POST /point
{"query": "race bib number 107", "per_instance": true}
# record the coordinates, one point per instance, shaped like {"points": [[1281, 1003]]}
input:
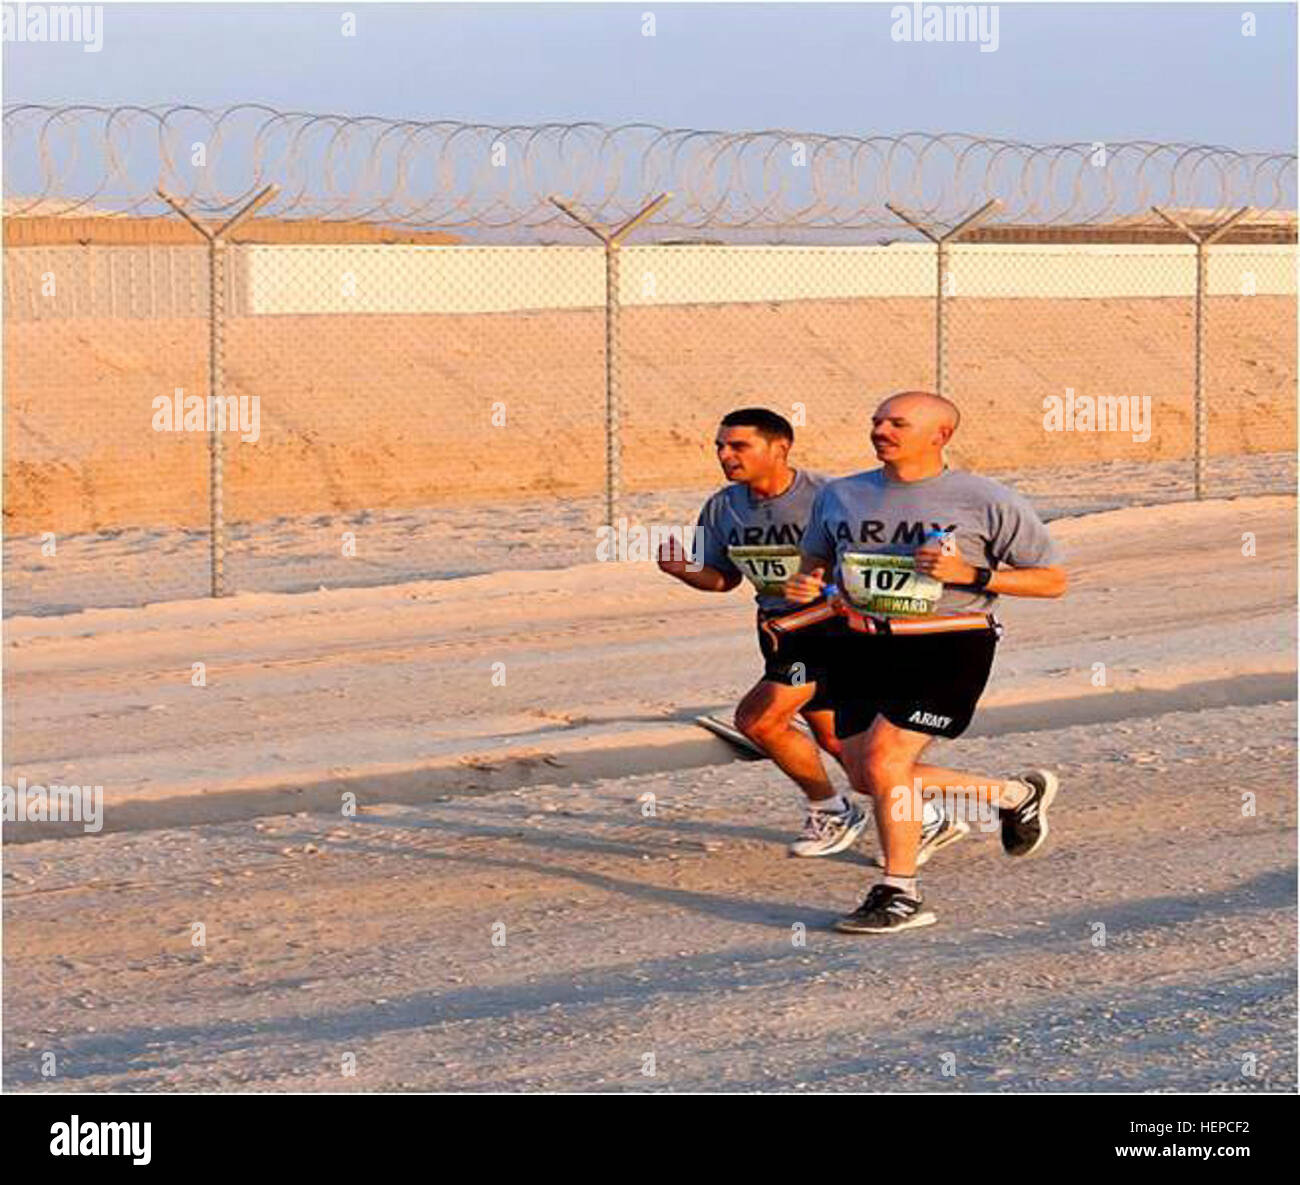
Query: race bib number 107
{"points": [[888, 585], [767, 568]]}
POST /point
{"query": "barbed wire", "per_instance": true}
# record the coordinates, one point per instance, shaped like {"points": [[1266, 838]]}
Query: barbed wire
{"points": [[443, 174]]}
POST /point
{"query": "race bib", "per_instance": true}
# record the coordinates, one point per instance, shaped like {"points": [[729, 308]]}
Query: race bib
{"points": [[766, 568], [888, 585]]}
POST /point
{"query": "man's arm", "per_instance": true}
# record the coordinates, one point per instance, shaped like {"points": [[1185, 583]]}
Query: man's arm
{"points": [[1008, 582], [1028, 582], [672, 559], [810, 581], [1029, 561]]}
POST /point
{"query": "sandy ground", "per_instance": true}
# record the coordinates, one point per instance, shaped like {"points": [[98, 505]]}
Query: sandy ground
{"points": [[384, 411], [677, 935], [124, 567]]}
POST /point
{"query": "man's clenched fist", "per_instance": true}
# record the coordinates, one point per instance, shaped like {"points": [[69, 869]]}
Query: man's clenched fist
{"points": [[806, 586]]}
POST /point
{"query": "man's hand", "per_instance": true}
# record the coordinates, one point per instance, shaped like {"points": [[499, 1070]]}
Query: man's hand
{"points": [[672, 560], [805, 587], [672, 557], [949, 567]]}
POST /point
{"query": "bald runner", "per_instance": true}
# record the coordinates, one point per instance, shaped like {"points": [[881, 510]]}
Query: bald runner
{"points": [[919, 554]]}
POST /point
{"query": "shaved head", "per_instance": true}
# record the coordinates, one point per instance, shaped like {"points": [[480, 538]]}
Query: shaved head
{"points": [[923, 407], [910, 430]]}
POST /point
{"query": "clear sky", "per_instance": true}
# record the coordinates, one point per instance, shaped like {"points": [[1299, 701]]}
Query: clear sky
{"points": [[1073, 72]]}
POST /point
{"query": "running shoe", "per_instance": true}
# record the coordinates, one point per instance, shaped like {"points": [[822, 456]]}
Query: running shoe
{"points": [[886, 910], [1024, 828], [827, 832], [936, 834], [945, 832]]}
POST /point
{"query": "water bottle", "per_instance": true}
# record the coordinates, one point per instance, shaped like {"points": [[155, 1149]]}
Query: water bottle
{"points": [[933, 536]]}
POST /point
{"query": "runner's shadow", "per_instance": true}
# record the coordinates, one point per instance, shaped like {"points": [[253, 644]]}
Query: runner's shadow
{"points": [[781, 915], [666, 828], [139, 1050]]}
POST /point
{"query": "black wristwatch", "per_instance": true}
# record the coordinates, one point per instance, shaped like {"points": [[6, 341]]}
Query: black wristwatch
{"points": [[982, 578]]}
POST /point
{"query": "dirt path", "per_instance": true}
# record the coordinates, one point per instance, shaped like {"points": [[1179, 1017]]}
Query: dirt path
{"points": [[686, 935], [676, 936], [374, 688]]}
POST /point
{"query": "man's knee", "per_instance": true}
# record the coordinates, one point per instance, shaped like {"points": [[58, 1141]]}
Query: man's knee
{"points": [[884, 766], [759, 721], [825, 736]]}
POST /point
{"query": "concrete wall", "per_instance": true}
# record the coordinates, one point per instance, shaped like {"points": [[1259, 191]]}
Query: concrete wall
{"points": [[310, 279], [114, 282], [119, 282]]}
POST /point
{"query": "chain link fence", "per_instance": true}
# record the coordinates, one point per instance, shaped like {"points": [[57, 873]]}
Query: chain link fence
{"points": [[425, 412], [99, 507], [400, 413], [1074, 367]]}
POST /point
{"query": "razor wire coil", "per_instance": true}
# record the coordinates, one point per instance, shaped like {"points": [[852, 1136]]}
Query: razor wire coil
{"points": [[441, 174]]}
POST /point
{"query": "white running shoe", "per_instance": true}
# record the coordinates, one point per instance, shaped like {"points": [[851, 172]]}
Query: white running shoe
{"points": [[827, 832], [938, 830], [947, 831]]}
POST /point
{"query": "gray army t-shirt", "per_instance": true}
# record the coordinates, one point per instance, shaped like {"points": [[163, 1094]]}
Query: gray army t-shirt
{"points": [[735, 518], [991, 525]]}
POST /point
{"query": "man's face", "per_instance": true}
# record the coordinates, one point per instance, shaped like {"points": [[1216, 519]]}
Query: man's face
{"points": [[901, 431], [745, 455]]}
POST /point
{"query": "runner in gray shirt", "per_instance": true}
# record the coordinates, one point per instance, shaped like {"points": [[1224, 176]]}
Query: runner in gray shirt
{"points": [[740, 533], [986, 523], [919, 554], [752, 529]]}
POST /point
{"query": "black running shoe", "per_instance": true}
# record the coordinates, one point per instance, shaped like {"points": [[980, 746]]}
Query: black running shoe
{"points": [[886, 910], [1024, 828]]}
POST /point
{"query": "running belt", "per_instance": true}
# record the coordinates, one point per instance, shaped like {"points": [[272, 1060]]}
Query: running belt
{"points": [[836, 606]]}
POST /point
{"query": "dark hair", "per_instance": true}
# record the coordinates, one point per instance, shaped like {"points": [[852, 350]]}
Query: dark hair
{"points": [[768, 424]]}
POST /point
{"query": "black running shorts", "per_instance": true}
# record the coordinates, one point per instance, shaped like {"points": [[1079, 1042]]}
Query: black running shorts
{"points": [[800, 658], [922, 682]]}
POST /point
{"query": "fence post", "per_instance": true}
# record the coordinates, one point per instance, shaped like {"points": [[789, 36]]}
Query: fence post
{"points": [[1203, 242], [612, 241], [941, 242], [216, 241]]}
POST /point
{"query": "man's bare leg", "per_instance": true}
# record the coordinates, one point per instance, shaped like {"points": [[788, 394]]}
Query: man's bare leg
{"points": [[883, 757], [766, 716], [821, 722], [974, 788], [884, 762]]}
